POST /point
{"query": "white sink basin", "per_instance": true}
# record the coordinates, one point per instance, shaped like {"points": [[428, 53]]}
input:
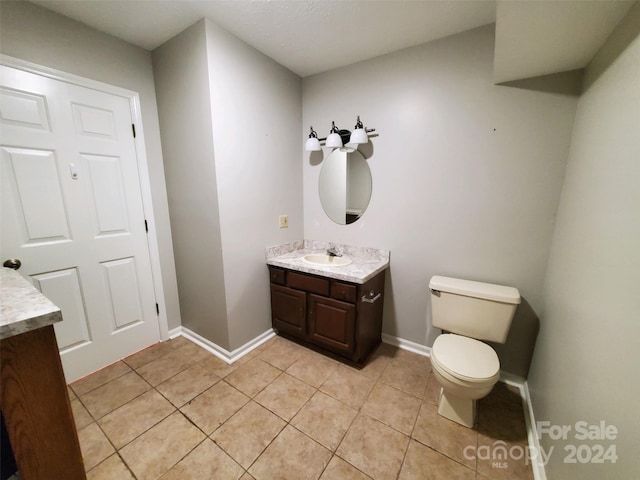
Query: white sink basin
{"points": [[324, 260]]}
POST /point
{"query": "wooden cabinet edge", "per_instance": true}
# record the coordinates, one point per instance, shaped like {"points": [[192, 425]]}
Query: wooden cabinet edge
{"points": [[36, 407]]}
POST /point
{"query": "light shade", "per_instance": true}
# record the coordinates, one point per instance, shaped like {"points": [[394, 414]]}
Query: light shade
{"points": [[334, 140], [359, 135], [312, 145]]}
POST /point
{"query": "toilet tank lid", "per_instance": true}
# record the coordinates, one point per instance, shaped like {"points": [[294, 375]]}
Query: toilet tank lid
{"points": [[469, 288]]}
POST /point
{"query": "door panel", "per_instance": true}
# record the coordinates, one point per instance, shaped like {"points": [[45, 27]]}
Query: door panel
{"points": [[94, 121], [33, 175], [64, 285], [72, 212], [122, 282], [108, 196], [23, 109]]}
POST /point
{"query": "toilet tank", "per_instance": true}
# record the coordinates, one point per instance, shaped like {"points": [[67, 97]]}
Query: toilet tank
{"points": [[474, 309]]}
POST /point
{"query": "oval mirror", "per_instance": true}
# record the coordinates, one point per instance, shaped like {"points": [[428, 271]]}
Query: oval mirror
{"points": [[344, 186]]}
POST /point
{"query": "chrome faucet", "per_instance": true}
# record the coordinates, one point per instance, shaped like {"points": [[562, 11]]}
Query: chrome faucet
{"points": [[332, 251]]}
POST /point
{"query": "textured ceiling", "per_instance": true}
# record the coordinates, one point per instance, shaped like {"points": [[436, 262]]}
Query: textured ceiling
{"points": [[533, 37], [306, 36]]}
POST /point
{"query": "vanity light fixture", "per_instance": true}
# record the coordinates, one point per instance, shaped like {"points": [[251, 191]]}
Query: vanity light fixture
{"points": [[338, 138]]}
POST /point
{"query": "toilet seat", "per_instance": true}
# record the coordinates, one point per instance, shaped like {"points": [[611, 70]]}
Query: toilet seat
{"points": [[465, 359]]}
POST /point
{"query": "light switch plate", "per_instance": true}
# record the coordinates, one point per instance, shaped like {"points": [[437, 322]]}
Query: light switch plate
{"points": [[284, 221]]}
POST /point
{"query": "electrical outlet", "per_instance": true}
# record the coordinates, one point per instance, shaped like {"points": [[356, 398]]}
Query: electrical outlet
{"points": [[284, 221]]}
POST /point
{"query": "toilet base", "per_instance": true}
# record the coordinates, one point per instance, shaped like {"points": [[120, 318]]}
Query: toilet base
{"points": [[459, 410]]}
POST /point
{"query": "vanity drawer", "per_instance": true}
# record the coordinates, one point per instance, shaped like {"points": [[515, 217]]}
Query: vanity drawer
{"points": [[343, 291], [276, 275], [308, 283]]}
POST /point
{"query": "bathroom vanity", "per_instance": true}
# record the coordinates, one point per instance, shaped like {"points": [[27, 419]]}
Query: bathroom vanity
{"points": [[331, 303], [34, 399]]}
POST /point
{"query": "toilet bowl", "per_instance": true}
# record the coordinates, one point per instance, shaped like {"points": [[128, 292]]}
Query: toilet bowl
{"points": [[466, 369]]}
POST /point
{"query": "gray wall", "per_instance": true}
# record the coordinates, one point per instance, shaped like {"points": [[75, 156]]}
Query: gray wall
{"points": [[231, 121], [182, 85], [585, 366], [37, 35], [466, 175], [256, 107]]}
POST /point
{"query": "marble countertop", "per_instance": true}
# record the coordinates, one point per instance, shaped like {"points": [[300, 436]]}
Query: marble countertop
{"points": [[366, 262], [22, 307]]}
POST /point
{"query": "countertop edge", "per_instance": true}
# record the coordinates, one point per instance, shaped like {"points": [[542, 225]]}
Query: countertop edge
{"points": [[325, 272], [367, 262], [30, 324]]}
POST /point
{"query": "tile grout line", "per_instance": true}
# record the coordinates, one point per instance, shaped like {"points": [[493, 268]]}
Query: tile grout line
{"points": [[411, 437], [96, 420], [288, 422], [375, 382], [406, 450], [152, 387]]}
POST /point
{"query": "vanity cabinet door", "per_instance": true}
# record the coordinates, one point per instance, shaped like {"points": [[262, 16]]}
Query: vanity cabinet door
{"points": [[332, 323], [288, 310]]}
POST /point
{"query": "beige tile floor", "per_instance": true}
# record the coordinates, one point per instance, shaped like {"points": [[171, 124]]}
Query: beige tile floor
{"points": [[174, 411]]}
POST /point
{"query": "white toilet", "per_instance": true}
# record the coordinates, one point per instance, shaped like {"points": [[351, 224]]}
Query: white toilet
{"points": [[466, 368]]}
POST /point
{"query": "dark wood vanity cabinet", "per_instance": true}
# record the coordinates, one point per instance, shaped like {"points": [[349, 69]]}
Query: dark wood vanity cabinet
{"points": [[289, 310], [332, 323], [339, 317]]}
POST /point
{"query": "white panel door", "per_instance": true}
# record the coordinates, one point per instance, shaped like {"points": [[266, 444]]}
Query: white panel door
{"points": [[72, 212]]}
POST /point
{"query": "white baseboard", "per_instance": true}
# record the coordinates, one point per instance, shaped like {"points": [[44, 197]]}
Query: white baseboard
{"points": [[218, 351], [406, 345], [537, 463], [175, 332], [539, 472]]}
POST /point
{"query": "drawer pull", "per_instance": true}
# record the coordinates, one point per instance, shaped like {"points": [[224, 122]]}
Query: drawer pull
{"points": [[371, 300]]}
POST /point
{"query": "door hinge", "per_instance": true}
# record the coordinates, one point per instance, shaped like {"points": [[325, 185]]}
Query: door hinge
{"points": [[146, 226], [133, 128], [157, 309]]}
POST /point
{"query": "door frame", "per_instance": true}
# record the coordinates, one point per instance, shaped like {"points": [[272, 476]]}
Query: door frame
{"points": [[141, 156]]}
